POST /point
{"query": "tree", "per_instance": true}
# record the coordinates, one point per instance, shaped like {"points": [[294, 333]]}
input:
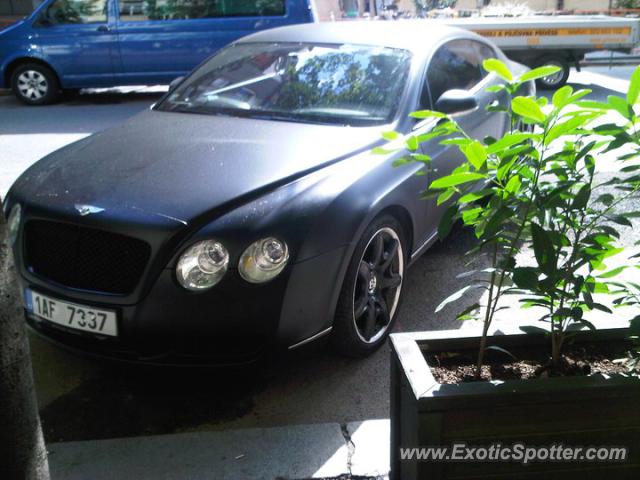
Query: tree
{"points": [[22, 450], [627, 3]]}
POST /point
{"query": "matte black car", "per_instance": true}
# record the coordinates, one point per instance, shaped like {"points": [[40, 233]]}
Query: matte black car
{"points": [[246, 210]]}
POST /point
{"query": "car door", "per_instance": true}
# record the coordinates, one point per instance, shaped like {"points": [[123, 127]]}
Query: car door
{"points": [[77, 38], [457, 64], [161, 40]]}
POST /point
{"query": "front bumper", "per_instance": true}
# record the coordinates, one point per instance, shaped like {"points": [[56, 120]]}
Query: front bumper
{"points": [[234, 323], [171, 326]]}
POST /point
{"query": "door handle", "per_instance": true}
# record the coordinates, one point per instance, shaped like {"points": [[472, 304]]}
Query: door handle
{"points": [[103, 28]]}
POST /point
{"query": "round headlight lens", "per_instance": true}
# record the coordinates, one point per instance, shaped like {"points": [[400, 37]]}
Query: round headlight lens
{"points": [[13, 223], [263, 260], [202, 265]]}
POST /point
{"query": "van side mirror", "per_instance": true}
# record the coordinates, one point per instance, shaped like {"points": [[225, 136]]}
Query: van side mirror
{"points": [[175, 82], [456, 101]]}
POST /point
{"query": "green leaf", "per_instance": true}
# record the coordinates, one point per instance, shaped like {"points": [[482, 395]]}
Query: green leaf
{"points": [[526, 278], [561, 96], [634, 87], [466, 313], [497, 221], [613, 273], [498, 67], [412, 143], [513, 185], [474, 196], [456, 179], [476, 153], [567, 127], [495, 88], [446, 222], [543, 249], [619, 105], [539, 72], [381, 151], [531, 330], [427, 114], [582, 198], [444, 196], [509, 140], [390, 135], [528, 108]]}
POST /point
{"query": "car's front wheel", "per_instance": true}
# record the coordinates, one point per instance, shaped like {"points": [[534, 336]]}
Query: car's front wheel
{"points": [[370, 295], [35, 84]]}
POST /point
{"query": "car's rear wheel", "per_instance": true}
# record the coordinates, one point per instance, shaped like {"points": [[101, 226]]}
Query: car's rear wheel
{"points": [[35, 84], [370, 295]]}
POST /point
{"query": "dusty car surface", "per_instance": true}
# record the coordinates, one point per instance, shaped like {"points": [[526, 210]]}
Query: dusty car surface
{"points": [[246, 209]]}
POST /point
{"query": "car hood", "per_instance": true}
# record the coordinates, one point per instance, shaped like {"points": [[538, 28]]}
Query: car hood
{"points": [[180, 166]]}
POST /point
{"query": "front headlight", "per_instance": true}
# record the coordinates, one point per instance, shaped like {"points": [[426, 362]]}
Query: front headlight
{"points": [[202, 265], [263, 260], [13, 223]]}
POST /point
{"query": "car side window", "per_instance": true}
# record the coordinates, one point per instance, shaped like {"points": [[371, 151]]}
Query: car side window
{"points": [[143, 10], [64, 12], [455, 65]]}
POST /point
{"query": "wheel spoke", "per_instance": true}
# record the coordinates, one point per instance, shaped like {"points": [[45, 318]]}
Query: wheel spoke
{"points": [[382, 311], [378, 250], [370, 324], [360, 306], [364, 271], [390, 255], [391, 282]]}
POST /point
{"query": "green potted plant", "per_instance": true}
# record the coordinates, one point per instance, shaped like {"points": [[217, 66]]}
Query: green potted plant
{"points": [[533, 190]]}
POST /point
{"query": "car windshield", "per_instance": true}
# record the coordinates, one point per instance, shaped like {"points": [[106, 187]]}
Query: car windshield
{"points": [[332, 84]]}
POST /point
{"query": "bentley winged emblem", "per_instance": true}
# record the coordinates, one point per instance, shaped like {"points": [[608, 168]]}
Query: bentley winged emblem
{"points": [[84, 210]]}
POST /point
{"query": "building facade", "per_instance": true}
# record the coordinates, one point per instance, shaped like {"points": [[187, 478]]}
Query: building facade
{"points": [[544, 5]]}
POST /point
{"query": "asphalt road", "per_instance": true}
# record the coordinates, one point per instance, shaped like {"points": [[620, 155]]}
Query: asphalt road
{"points": [[85, 399]]}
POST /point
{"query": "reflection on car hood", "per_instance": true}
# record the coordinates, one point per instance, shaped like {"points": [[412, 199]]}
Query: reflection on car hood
{"points": [[183, 165]]}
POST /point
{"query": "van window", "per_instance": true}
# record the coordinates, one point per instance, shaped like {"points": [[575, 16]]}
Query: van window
{"points": [[62, 12], [142, 10]]}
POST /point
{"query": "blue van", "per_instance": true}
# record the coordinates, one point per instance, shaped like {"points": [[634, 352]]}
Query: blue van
{"points": [[73, 44]]}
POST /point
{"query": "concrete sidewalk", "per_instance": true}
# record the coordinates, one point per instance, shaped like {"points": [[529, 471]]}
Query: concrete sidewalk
{"points": [[358, 450]]}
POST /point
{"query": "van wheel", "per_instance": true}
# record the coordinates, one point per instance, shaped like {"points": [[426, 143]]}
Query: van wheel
{"points": [[370, 295], [35, 84], [556, 80]]}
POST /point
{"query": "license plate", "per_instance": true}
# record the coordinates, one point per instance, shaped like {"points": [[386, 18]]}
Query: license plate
{"points": [[72, 315]]}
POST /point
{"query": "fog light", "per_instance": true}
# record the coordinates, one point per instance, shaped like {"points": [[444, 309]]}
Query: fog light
{"points": [[13, 223], [263, 260], [202, 265]]}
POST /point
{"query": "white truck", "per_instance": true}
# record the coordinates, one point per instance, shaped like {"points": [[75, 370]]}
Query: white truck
{"points": [[554, 40]]}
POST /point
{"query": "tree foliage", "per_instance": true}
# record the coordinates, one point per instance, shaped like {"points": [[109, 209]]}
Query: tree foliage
{"points": [[539, 191]]}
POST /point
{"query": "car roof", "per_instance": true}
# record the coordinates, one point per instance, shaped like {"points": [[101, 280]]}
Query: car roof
{"points": [[413, 35]]}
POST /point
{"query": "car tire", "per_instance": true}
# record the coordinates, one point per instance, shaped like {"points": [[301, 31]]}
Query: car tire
{"points": [[557, 80], [370, 296], [35, 84]]}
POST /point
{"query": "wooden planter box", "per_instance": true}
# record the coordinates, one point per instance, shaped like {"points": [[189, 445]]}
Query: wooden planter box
{"points": [[573, 411]]}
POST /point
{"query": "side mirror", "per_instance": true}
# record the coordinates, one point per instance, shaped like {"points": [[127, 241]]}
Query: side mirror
{"points": [[456, 101], [175, 82]]}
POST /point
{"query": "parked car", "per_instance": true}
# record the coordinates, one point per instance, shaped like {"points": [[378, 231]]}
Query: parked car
{"points": [[73, 44], [246, 209]]}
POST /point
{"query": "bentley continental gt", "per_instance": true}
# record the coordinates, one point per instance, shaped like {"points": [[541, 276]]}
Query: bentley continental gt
{"points": [[246, 209]]}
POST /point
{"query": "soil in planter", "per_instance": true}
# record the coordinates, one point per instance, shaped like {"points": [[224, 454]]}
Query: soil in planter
{"points": [[579, 360]]}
